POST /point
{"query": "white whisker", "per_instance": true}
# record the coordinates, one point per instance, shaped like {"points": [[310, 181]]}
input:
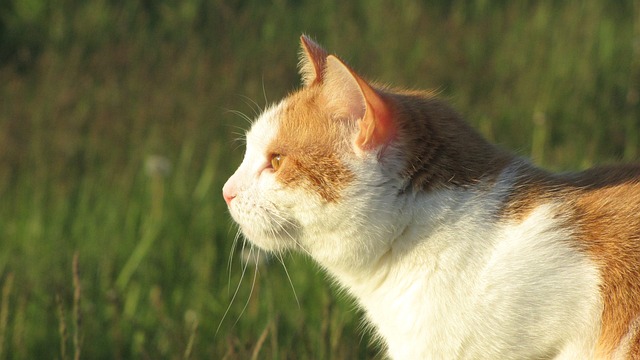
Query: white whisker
{"points": [[279, 221], [295, 295], [255, 107], [253, 284], [264, 93], [230, 261], [235, 293], [242, 115]]}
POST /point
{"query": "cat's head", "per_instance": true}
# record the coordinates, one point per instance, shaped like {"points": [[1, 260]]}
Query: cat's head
{"points": [[325, 168], [318, 165]]}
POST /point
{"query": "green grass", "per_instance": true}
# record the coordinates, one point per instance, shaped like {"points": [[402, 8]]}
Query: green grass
{"points": [[117, 131]]}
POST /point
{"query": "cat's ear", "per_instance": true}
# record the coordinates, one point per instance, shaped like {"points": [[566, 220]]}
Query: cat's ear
{"points": [[312, 61], [351, 96]]}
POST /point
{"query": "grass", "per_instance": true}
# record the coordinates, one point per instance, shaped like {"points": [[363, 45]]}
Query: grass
{"points": [[117, 125]]}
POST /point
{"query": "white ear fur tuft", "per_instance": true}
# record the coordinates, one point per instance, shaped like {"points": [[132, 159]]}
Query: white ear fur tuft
{"points": [[312, 61]]}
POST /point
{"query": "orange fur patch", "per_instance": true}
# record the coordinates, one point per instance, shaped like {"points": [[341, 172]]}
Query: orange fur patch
{"points": [[608, 215], [311, 141]]}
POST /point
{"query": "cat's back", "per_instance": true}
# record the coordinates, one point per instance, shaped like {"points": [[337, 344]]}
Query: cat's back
{"points": [[605, 204], [606, 201]]}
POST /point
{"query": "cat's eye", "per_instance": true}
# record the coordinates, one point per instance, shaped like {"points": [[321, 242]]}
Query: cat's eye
{"points": [[276, 161]]}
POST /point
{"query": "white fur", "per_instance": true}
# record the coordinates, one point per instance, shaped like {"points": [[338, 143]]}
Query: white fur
{"points": [[440, 275], [475, 289], [254, 207]]}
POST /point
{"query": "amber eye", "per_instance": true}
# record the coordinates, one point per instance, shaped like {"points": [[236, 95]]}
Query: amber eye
{"points": [[276, 161]]}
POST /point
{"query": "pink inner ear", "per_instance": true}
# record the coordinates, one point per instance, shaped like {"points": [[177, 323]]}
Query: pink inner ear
{"points": [[376, 127], [352, 97]]}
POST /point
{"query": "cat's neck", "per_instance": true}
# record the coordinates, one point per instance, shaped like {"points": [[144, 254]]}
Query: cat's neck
{"points": [[440, 148], [432, 230]]}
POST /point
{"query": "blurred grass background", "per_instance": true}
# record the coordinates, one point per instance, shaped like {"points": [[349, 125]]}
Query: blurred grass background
{"points": [[117, 131]]}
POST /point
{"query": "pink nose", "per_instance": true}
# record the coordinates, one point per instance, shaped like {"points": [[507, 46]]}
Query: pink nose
{"points": [[228, 198], [229, 193]]}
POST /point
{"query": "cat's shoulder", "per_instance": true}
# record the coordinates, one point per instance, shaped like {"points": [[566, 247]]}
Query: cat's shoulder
{"points": [[590, 190]]}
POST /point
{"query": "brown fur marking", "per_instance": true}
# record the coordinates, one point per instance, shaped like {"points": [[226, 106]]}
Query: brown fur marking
{"points": [[531, 189], [440, 149]]}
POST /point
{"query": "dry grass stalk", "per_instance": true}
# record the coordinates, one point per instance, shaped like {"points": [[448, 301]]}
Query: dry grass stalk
{"points": [[77, 314], [4, 311], [62, 328]]}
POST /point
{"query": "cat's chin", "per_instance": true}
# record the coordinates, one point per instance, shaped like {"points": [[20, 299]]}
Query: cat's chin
{"points": [[268, 245], [267, 242]]}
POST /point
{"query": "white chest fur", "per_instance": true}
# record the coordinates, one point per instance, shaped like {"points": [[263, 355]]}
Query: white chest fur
{"points": [[457, 283]]}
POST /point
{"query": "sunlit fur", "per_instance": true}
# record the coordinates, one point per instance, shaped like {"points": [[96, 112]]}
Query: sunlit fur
{"points": [[454, 248]]}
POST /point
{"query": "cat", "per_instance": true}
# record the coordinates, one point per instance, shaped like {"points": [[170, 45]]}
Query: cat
{"points": [[455, 248]]}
